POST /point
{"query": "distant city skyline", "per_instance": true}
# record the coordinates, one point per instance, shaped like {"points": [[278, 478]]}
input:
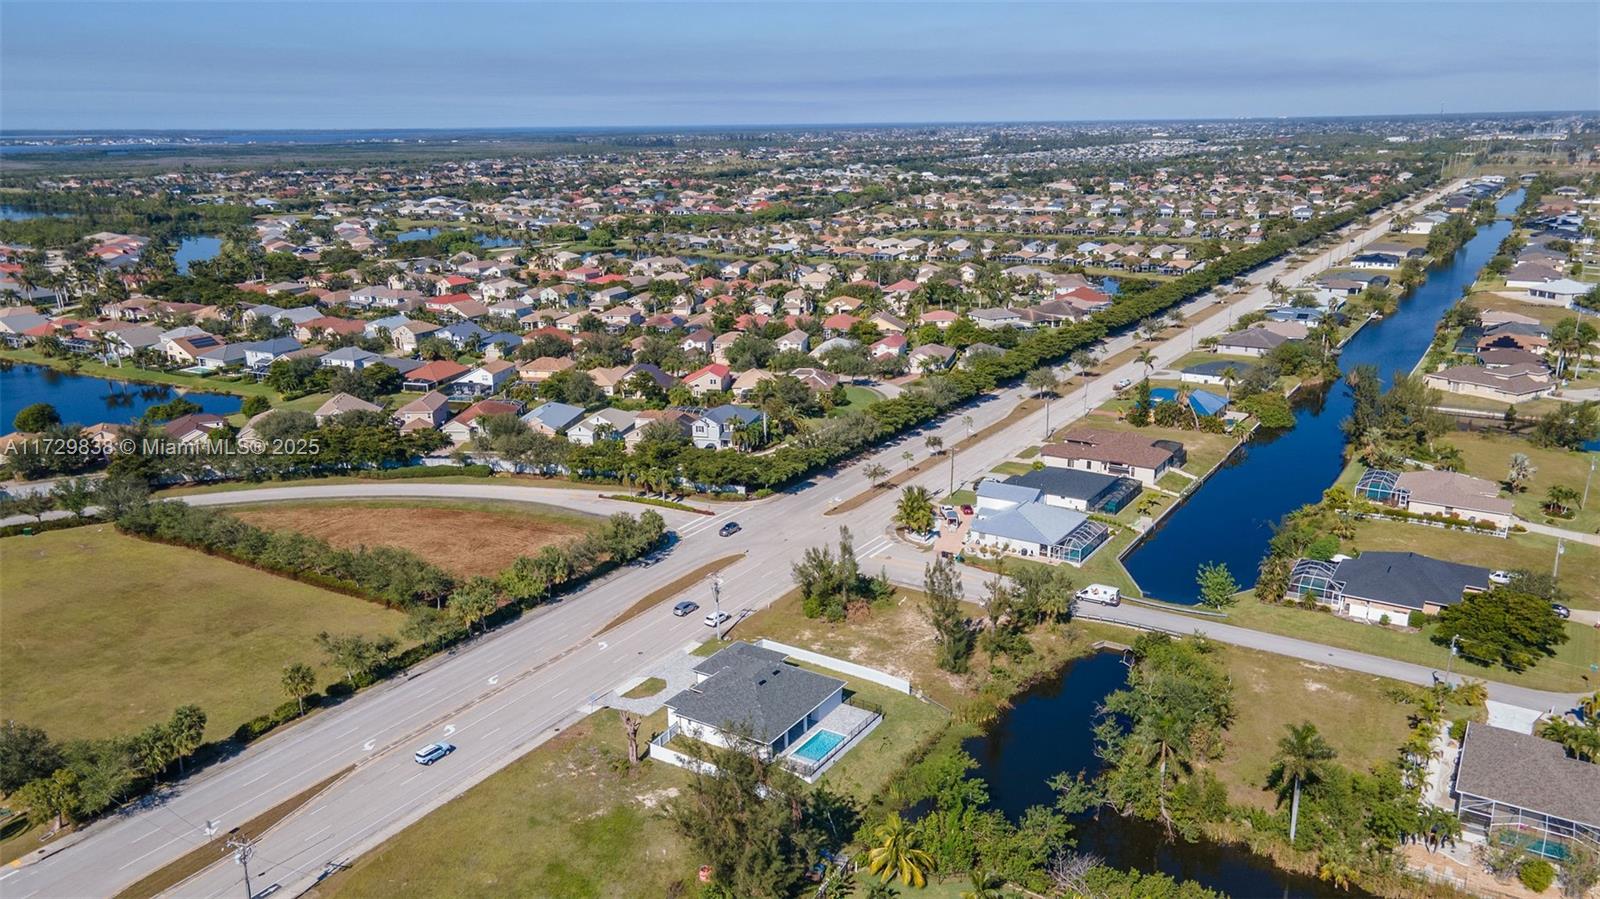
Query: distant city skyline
{"points": [[164, 66]]}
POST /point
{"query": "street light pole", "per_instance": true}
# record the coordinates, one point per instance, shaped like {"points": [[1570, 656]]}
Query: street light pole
{"points": [[1586, 480], [1561, 548], [242, 850], [1449, 665], [716, 600]]}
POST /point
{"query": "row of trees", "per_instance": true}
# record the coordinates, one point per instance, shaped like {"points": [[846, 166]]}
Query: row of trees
{"points": [[82, 778]]}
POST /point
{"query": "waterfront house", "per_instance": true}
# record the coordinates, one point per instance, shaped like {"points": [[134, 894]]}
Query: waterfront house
{"points": [[1375, 586], [1011, 519], [1119, 453]]}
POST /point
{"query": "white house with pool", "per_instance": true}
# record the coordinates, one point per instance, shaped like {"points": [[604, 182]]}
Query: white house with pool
{"points": [[752, 697]]}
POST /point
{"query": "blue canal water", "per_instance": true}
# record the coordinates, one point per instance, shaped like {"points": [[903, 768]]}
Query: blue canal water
{"points": [[483, 240], [85, 400], [1049, 730], [1230, 518], [195, 249]]}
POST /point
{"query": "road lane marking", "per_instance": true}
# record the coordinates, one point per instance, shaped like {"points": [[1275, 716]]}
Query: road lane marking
{"points": [[411, 778], [318, 833]]}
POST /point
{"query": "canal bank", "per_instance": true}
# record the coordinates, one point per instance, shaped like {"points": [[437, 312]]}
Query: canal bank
{"points": [[1230, 518], [85, 399], [1047, 731]]}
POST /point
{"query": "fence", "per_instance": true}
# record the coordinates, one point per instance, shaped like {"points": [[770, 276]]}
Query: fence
{"points": [[898, 684], [658, 750]]}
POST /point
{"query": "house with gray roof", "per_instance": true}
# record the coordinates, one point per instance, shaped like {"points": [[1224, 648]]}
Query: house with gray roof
{"points": [[1034, 529], [1078, 490], [1378, 585], [1507, 779], [552, 418], [748, 696]]}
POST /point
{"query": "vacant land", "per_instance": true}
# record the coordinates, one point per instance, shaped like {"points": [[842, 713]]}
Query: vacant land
{"points": [[1568, 671], [567, 819], [1352, 711], [105, 633], [1487, 454], [463, 538]]}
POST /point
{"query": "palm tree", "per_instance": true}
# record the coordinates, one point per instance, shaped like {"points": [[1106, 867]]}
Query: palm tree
{"points": [[1147, 359], [915, 510], [1582, 742], [908, 457], [896, 855], [1300, 758], [1590, 706], [1521, 471], [1559, 500], [985, 885], [1229, 376], [875, 473], [1472, 692]]}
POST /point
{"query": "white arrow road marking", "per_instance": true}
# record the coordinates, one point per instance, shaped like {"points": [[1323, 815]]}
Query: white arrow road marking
{"points": [[367, 746], [602, 645], [494, 680], [449, 729]]}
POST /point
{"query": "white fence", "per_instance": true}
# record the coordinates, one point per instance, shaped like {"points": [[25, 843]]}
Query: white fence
{"points": [[898, 684], [659, 751]]}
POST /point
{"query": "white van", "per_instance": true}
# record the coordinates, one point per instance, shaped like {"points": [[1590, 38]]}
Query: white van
{"points": [[1100, 593]]}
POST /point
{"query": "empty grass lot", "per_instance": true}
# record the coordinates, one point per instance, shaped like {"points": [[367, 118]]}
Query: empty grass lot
{"points": [[463, 537], [104, 633], [1350, 710], [568, 819], [1487, 454]]}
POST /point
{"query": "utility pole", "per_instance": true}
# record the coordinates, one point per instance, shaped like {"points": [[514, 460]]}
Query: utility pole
{"points": [[1455, 643], [1561, 548], [1587, 478], [242, 850], [716, 600]]}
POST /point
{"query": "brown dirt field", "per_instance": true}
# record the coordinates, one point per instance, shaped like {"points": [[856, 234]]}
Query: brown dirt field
{"points": [[464, 539]]}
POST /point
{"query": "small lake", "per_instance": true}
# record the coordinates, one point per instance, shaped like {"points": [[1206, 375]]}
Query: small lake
{"points": [[1049, 730], [1231, 517], [195, 249], [86, 400], [487, 241], [13, 214]]}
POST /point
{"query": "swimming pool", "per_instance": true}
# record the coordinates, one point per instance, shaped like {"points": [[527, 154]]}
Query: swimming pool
{"points": [[817, 748]]}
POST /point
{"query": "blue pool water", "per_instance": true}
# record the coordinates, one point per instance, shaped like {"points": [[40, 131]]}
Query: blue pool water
{"points": [[817, 748]]}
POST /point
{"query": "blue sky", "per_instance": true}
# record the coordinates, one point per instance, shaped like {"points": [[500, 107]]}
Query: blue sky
{"points": [[259, 64]]}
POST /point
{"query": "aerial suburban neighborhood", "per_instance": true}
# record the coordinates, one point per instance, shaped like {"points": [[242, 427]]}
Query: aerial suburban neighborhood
{"points": [[1158, 473]]}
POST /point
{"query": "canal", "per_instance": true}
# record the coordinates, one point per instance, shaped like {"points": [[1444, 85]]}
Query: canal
{"points": [[1049, 731], [86, 400], [1230, 518]]}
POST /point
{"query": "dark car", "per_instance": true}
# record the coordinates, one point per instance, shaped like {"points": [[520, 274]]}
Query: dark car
{"points": [[729, 529], [683, 609], [1561, 610]]}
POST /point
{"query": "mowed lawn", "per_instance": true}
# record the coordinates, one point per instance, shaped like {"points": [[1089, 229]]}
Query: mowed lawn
{"points": [[103, 633], [464, 538], [1579, 574], [568, 819]]}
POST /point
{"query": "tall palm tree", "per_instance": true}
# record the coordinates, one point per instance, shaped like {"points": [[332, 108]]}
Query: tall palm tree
{"points": [[1147, 359], [1521, 471], [896, 855], [1300, 760]]}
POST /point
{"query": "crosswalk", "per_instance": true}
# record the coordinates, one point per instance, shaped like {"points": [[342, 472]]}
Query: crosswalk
{"points": [[708, 522]]}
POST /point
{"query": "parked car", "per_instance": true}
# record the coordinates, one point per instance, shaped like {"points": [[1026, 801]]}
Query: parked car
{"points": [[433, 752], [716, 618], [1500, 577], [1103, 594], [683, 609], [966, 510], [1561, 610], [729, 529], [948, 513]]}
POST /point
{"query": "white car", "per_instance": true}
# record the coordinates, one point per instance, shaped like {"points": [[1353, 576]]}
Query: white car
{"points": [[1501, 577], [716, 618], [432, 752], [1122, 385]]}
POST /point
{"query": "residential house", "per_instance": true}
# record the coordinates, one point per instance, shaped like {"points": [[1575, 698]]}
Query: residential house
{"points": [[1505, 780], [430, 410], [487, 378], [607, 424], [1017, 522], [1120, 453], [1078, 490], [339, 404], [469, 423], [433, 375], [713, 378], [1375, 585], [715, 428], [194, 428], [1453, 495], [552, 418], [748, 697]]}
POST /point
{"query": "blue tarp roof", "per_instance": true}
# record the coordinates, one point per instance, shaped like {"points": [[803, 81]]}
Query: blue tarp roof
{"points": [[1203, 402]]}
